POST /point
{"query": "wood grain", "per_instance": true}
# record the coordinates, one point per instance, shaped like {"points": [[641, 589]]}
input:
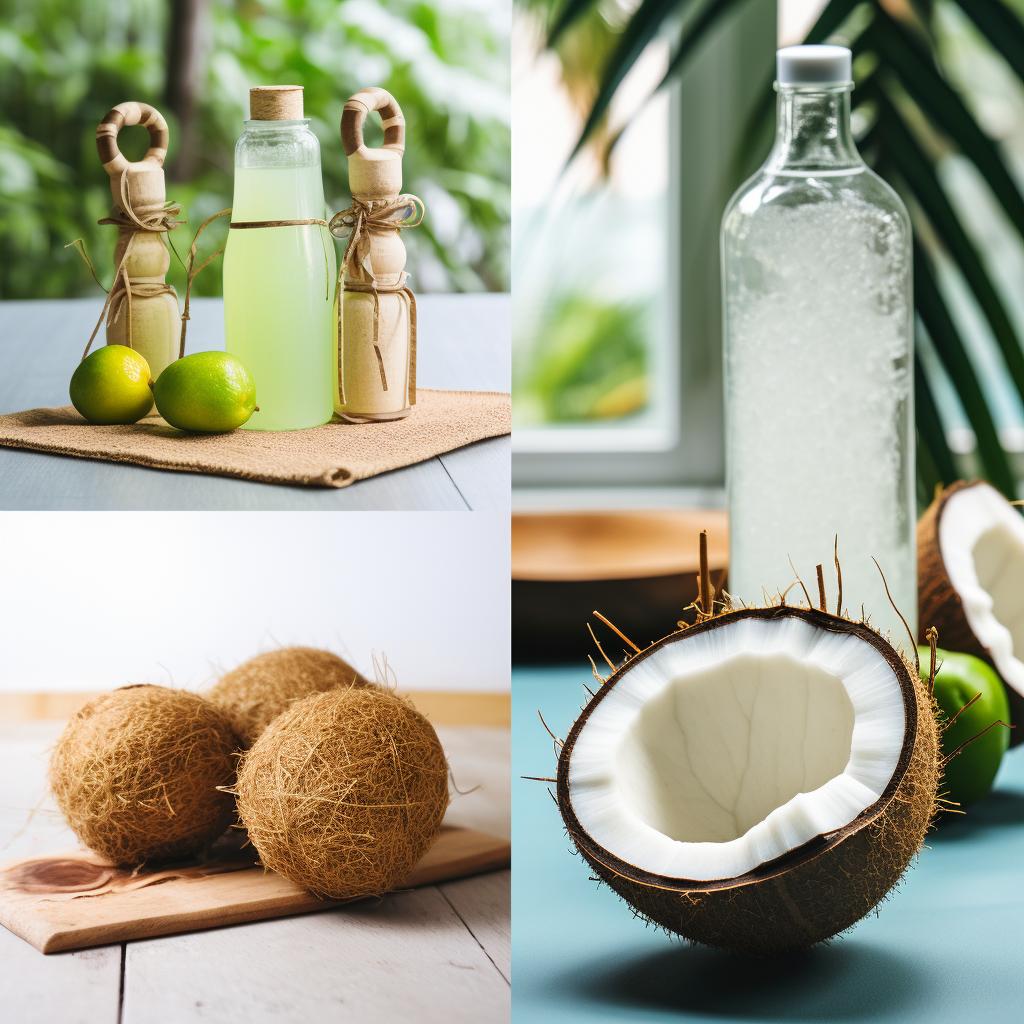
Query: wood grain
{"points": [[74, 900], [408, 957], [589, 546], [124, 115], [636, 567]]}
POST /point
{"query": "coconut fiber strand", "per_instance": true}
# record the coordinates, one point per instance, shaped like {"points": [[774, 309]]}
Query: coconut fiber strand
{"points": [[334, 455], [344, 792], [136, 772], [818, 889], [255, 693]]}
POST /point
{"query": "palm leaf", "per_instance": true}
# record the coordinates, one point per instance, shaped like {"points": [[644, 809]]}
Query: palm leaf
{"points": [[904, 55], [935, 315], [1001, 26], [917, 171], [928, 477], [645, 24], [907, 84], [930, 432], [570, 13], [829, 21], [694, 34]]}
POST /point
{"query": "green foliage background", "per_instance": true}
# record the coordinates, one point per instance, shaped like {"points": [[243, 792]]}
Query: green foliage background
{"points": [[63, 65]]}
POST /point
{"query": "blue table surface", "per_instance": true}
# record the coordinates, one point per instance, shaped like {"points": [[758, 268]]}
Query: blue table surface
{"points": [[947, 946]]}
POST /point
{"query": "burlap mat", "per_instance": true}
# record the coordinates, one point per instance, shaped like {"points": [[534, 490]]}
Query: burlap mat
{"points": [[334, 455]]}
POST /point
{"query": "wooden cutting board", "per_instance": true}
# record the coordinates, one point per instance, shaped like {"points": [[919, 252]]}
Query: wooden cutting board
{"points": [[75, 900]]}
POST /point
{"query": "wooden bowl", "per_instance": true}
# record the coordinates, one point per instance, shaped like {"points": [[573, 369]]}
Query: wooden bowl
{"points": [[637, 568]]}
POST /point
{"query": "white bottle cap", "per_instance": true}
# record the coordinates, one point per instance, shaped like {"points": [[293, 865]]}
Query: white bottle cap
{"points": [[813, 65]]}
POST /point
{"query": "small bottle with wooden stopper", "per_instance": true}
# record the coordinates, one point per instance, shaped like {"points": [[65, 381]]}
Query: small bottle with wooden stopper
{"points": [[143, 308], [280, 265], [376, 358]]}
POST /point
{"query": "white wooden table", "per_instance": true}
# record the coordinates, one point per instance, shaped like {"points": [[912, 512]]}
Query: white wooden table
{"points": [[438, 954], [464, 343]]}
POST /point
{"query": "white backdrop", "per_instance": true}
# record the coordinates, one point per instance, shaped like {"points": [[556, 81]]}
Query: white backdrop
{"points": [[91, 601]]}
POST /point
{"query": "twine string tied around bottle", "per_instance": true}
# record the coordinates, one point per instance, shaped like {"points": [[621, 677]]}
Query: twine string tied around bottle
{"points": [[192, 271], [161, 219], [359, 222], [157, 219]]}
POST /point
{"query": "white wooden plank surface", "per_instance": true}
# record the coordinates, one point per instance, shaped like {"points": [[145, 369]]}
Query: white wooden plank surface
{"points": [[479, 760], [69, 988], [472, 469], [464, 342], [407, 958], [434, 954], [74, 987], [30, 823], [484, 905]]}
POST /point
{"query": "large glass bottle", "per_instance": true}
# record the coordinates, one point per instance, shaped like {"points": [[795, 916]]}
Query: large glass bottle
{"points": [[816, 276], [279, 280]]}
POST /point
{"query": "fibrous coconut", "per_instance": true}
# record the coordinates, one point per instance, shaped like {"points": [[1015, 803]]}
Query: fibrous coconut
{"points": [[344, 792], [136, 774], [758, 781], [256, 692]]}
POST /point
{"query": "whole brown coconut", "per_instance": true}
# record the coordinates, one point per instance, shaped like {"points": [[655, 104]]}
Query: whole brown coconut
{"points": [[136, 772], [828, 866], [256, 692], [344, 792]]}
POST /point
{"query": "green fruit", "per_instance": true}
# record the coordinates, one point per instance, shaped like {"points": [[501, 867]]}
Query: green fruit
{"points": [[206, 392], [969, 776], [112, 386]]}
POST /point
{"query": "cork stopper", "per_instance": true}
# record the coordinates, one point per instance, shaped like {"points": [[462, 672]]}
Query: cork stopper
{"points": [[275, 103]]}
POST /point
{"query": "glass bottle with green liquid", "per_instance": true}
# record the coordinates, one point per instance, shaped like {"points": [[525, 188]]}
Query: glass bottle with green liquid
{"points": [[280, 315]]}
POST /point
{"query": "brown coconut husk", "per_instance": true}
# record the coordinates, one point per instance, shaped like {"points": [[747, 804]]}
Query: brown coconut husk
{"points": [[819, 889], [344, 792], [938, 601], [136, 774], [256, 692], [940, 604]]}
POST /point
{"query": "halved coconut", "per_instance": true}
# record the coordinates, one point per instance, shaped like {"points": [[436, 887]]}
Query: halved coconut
{"points": [[970, 556], [756, 782]]}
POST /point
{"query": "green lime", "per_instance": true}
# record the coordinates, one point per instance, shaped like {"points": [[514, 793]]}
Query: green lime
{"points": [[206, 392], [112, 385], [969, 776]]}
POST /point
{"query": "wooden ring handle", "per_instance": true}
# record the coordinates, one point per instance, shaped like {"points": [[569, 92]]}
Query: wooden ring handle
{"points": [[124, 114], [354, 116]]}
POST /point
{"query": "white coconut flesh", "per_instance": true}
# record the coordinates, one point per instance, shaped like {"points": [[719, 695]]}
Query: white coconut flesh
{"points": [[724, 750], [981, 540]]}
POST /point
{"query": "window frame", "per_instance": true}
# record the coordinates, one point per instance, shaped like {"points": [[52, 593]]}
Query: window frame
{"points": [[708, 110]]}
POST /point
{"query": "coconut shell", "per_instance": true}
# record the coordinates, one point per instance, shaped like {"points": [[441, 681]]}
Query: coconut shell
{"points": [[940, 605], [136, 772], [256, 692], [818, 889], [344, 792]]}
